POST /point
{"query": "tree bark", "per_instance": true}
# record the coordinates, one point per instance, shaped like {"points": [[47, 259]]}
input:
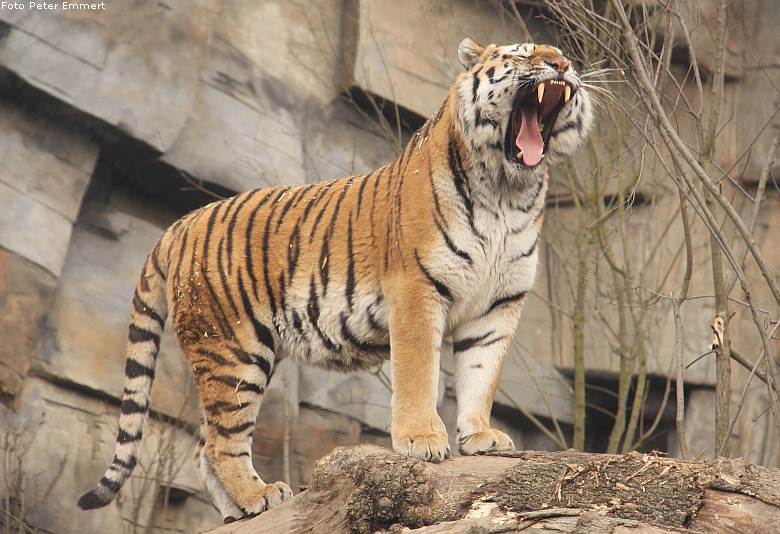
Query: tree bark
{"points": [[364, 489]]}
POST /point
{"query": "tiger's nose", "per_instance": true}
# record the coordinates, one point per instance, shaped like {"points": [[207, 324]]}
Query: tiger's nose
{"points": [[560, 64]]}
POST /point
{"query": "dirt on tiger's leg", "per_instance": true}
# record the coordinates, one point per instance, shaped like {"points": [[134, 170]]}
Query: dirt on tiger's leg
{"points": [[416, 325]]}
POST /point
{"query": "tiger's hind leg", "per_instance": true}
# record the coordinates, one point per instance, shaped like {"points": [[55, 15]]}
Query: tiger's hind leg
{"points": [[231, 393]]}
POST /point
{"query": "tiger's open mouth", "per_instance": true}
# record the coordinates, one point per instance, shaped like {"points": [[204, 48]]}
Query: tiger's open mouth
{"points": [[533, 115]]}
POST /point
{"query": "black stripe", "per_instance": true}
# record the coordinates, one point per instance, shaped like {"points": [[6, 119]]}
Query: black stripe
{"points": [[338, 205], [465, 344], [526, 224], [350, 287], [142, 281], [129, 406], [248, 257], [130, 465], [530, 204], [373, 198], [215, 357], [139, 335], [266, 242], [133, 369], [237, 384], [218, 407], [287, 205], [294, 250], [124, 437], [144, 309], [317, 219], [177, 271], [492, 341], [297, 323], [223, 277], [262, 332], [323, 189], [455, 250], [323, 263], [303, 194], [223, 324], [263, 364], [230, 230], [504, 300], [313, 314], [155, 260], [363, 182], [110, 484], [526, 253], [227, 431], [228, 204], [234, 454], [373, 323], [365, 346], [440, 287], [460, 180]]}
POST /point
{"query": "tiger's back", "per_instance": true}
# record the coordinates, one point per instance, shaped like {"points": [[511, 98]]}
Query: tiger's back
{"points": [[440, 244]]}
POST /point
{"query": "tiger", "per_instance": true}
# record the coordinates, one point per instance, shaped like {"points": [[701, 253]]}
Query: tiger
{"points": [[438, 247]]}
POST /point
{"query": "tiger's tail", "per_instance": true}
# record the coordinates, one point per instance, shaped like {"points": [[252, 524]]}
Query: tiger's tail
{"points": [[147, 320]]}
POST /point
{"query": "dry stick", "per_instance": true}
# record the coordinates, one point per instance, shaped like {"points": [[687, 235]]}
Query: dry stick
{"points": [[753, 371], [770, 161], [681, 152], [671, 137], [722, 446], [533, 420], [286, 473], [578, 320], [545, 400], [678, 352], [707, 146]]}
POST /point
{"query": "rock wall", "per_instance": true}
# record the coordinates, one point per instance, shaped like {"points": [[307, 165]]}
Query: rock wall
{"points": [[115, 122]]}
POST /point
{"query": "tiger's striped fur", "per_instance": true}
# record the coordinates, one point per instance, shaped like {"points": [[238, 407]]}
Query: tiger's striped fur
{"points": [[440, 244]]}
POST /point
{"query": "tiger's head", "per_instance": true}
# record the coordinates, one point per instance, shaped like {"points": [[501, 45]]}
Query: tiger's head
{"points": [[521, 107]]}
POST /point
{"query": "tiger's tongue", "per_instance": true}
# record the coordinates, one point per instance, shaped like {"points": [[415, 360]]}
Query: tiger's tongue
{"points": [[529, 138]]}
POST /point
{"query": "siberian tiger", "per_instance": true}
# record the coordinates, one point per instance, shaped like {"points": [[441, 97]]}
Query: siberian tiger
{"points": [[440, 244]]}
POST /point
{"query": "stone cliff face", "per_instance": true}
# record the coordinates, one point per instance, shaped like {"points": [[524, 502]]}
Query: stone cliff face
{"points": [[113, 123]]}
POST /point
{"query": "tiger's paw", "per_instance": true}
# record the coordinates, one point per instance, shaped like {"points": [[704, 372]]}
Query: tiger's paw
{"points": [[265, 499], [485, 441], [431, 446]]}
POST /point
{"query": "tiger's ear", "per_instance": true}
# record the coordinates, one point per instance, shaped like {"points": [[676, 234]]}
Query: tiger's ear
{"points": [[469, 52]]}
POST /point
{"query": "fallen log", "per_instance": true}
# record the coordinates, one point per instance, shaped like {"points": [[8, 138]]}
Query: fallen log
{"points": [[365, 489]]}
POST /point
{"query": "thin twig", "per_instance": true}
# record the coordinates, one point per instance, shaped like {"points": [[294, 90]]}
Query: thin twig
{"points": [[678, 352]]}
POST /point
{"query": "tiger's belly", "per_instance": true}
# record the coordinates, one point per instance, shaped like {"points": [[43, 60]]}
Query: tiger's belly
{"points": [[323, 327]]}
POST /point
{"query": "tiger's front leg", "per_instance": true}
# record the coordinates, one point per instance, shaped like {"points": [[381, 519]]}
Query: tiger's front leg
{"points": [[416, 327], [479, 350]]}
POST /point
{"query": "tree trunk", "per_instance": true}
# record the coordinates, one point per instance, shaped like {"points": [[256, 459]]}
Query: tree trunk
{"points": [[365, 489]]}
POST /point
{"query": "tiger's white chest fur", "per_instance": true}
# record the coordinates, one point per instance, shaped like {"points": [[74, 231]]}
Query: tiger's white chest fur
{"points": [[501, 241]]}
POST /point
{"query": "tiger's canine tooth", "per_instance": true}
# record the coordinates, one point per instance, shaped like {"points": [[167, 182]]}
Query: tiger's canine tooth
{"points": [[566, 93], [540, 91]]}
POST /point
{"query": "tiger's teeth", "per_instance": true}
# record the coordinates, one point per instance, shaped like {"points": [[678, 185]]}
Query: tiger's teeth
{"points": [[540, 91], [520, 154], [566, 93]]}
